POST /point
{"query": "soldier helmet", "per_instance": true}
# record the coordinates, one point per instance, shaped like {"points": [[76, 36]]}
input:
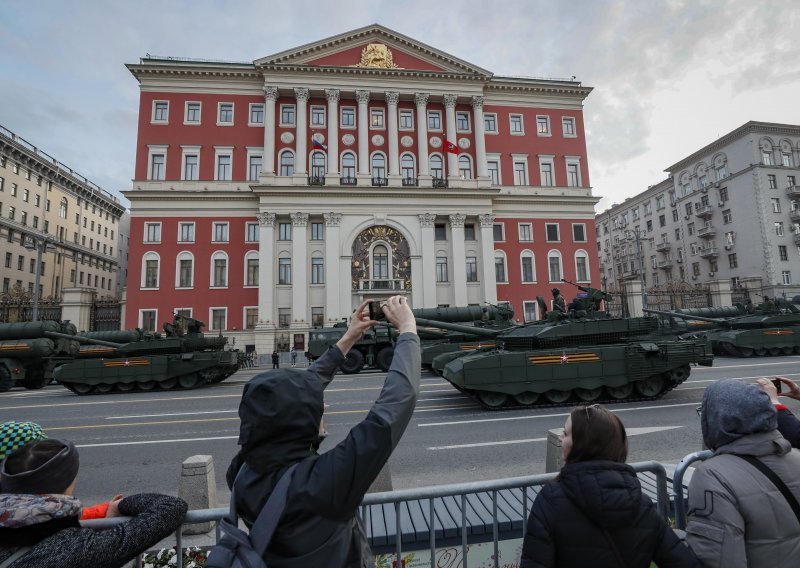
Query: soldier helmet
{"points": [[555, 291]]}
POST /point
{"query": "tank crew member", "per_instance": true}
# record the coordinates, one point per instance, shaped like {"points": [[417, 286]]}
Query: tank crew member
{"points": [[559, 303]]}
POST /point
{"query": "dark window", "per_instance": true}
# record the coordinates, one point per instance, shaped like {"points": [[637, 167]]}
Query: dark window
{"points": [[552, 232], [440, 232]]}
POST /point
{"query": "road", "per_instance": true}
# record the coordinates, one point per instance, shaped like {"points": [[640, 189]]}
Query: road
{"points": [[136, 442]]}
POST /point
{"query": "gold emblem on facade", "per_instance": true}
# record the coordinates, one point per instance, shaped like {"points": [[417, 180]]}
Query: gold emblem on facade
{"points": [[377, 55]]}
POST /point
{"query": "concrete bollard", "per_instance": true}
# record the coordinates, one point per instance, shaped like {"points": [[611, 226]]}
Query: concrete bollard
{"points": [[554, 462], [383, 482], [198, 487]]}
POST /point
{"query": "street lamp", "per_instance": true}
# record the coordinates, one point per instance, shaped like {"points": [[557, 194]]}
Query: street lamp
{"points": [[41, 244], [637, 235]]}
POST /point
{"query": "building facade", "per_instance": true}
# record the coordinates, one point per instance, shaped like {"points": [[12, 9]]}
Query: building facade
{"points": [[270, 197], [728, 211], [45, 204]]}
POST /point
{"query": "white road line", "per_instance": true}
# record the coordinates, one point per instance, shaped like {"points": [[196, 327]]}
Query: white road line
{"points": [[440, 390], [170, 414], [143, 442], [443, 398]]}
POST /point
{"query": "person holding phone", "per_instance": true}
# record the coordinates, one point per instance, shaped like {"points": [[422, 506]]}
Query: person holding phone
{"points": [[788, 423]]}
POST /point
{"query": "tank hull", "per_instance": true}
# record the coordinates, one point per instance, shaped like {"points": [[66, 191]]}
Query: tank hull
{"points": [[755, 342]]}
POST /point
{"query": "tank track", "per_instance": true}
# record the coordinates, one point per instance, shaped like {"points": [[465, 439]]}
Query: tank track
{"points": [[183, 383]]}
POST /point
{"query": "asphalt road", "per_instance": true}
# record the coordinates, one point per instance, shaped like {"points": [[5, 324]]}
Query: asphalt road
{"points": [[135, 442]]}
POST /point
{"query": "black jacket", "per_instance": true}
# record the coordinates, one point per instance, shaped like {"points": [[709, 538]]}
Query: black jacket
{"points": [[565, 528], [318, 526], [789, 427]]}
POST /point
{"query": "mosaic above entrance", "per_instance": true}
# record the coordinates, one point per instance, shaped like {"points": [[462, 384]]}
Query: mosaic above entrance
{"points": [[381, 260]]}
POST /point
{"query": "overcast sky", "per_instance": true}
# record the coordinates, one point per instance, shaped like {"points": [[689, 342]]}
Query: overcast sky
{"points": [[668, 76]]}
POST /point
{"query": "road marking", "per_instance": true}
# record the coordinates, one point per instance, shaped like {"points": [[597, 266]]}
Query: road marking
{"points": [[106, 444], [92, 426], [442, 398], [170, 414]]}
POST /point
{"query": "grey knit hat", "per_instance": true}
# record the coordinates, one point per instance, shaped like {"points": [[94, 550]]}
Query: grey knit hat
{"points": [[732, 409]]}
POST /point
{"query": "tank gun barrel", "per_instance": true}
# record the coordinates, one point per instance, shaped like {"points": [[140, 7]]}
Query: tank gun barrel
{"points": [[466, 329], [464, 313], [595, 293], [685, 316], [82, 339]]}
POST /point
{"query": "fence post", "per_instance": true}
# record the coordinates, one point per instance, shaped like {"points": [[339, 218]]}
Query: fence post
{"points": [[198, 487], [720, 291]]}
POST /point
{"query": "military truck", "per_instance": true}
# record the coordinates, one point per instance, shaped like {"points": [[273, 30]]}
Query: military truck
{"points": [[28, 353]]}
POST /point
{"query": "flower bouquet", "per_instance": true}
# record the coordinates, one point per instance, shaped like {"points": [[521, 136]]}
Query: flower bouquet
{"points": [[193, 557]]}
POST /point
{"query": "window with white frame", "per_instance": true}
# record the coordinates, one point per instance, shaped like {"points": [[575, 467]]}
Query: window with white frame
{"points": [[255, 163], [498, 232], [160, 112], [192, 112], [219, 270], [406, 119], [317, 231], [256, 114], [150, 270], [251, 269], [551, 231], [220, 232], [287, 115], [434, 120], [465, 166], [582, 266], [349, 165], [779, 228], [380, 262], [462, 121], [500, 267], [408, 168], [529, 311], [62, 208], [441, 269], [493, 167], [184, 270], [573, 173], [317, 116], [148, 319], [520, 170], [766, 157], [579, 232], [219, 317], [516, 126], [787, 160], [251, 233], [158, 166], [437, 166], [378, 166], [525, 232], [546, 178], [224, 165], [527, 266], [225, 114], [284, 231], [568, 127], [186, 232], [377, 118], [472, 268], [152, 232], [469, 231], [191, 165], [287, 163], [543, 125], [317, 270], [347, 117], [439, 232], [318, 164], [284, 271], [786, 276], [490, 122], [250, 318], [554, 266], [284, 317], [776, 205]]}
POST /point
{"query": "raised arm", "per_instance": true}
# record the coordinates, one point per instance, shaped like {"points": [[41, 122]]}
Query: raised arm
{"points": [[329, 362]]}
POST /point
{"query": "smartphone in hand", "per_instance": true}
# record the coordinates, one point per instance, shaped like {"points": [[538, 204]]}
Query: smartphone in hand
{"points": [[777, 384], [376, 310]]}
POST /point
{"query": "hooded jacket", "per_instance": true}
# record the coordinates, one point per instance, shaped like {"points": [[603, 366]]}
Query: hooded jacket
{"points": [[280, 413], [737, 517], [49, 524], [565, 527]]}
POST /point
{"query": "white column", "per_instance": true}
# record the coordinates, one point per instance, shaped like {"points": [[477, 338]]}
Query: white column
{"points": [[487, 252], [299, 269], [270, 96], [266, 267], [480, 138], [333, 132], [450, 121], [426, 221], [392, 97], [333, 310], [363, 131], [422, 133], [301, 134], [459, 275]]}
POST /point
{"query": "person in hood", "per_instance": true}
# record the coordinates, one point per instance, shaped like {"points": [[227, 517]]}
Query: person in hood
{"points": [[280, 414], [595, 513], [738, 518], [39, 514]]}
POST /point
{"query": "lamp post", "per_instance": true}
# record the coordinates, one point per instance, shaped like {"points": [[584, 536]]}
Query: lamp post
{"points": [[636, 235], [41, 244]]}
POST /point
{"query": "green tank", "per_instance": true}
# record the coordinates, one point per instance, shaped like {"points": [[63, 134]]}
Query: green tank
{"points": [[737, 333], [182, 358], [376, 349], [28, 355], [579, 355]]}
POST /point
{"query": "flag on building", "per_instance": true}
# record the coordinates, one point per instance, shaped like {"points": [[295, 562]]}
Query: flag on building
{"points": [[449, 146], [317, 145]]}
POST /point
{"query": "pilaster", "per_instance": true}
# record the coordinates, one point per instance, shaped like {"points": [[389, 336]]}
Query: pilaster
{"points": [[270, 96], [333, 132], [334, 311], [301, 135], [487, 252], [459, 276], [421, 99], [266, 274], [452, 136], [426, 221], [299, 269], [363, 132], [481, 169], [392, 98]]}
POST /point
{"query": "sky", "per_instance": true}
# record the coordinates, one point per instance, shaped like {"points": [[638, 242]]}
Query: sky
{"points": [[669, 76]]}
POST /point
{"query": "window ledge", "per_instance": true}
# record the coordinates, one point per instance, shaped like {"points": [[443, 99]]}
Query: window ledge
{"points": [[184, 287], [217, 287], [143, 289]]}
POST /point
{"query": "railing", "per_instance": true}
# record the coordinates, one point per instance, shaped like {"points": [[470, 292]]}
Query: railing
{"points": [[797, 239], [316, 180], [664, 263], [704, 211], [795, 214], [410, 182], [663, 245], [439, 182], [707, 231], [677, 484], [382, 284], [709, 251], [793, 190], [486, 492], [348, 181], [380, 181]]}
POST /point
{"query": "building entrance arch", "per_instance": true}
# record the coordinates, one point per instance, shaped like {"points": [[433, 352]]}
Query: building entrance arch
{"points": [[381, 262]]}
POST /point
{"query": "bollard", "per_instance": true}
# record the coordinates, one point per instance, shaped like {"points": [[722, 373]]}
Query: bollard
{"points": [[554, 462], [198, 487], [383, 482]]}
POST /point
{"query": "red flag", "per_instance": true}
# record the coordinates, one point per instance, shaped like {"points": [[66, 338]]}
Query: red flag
{"points": [[317, 145], [449, 146]]}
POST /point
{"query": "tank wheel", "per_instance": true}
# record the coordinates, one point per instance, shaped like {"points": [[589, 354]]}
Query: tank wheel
{"points": [[493, 399], [6, 382], [761, 351], [146, 385], [774, 351], [745, 351], [189, 381], [384, 358], [618, 393], [557, 396], [787, 350], [353, 362], [588, 395], [125, 387], [526, 398], [651, 386], [103, 388], [680, 374], [730, 349], [81, 388], [169, 383]]}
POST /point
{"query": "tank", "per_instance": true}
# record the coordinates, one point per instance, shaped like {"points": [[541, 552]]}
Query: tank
{"points": [[376, 348], [582, 355], [182, 358], [28, 355], [736, 333]]}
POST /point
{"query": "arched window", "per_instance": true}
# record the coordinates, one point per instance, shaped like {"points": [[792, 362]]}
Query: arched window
{"points": [[582, 266], [251, 268], [150, 270], [554, 266], [349, 165], [527, 266], [184, 270], [287, 163], [437, 166], [408, 169], [378, 166], [380, 262], [500, 266], [62, 208], [219, 270], [318, 164], [465, 167]]}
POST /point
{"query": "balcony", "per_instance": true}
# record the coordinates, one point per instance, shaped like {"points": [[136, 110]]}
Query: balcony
{"points": [[439, 182], [797, 239], [793, 191], [348, 181], [381, 285], [663, 246], [380, 181], [410, 182], [704, 211], [706, 232], [709, 252], [316, 180], [795, 215], [664, 264]]}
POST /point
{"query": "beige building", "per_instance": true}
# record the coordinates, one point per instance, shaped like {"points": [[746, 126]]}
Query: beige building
{"points": [[74, 222]]}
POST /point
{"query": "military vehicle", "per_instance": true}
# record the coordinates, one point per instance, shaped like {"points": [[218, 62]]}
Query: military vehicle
{"points": [[583, 355], [734, 332], [183, 358], [376, 348], [28, 354]]}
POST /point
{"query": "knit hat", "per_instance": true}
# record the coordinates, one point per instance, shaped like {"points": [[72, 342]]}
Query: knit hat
{"points": [[53, 476], [14, 435], [732, 409]]}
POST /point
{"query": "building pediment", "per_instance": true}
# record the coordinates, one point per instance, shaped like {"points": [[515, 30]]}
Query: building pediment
{"points": [[374, 47]]}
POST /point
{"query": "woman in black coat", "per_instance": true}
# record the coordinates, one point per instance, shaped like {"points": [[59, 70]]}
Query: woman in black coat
{"points": [[595, 513]]}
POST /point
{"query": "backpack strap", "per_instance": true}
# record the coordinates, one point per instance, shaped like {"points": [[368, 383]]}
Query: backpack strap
{"points": [[19, 553], [777, 481]]}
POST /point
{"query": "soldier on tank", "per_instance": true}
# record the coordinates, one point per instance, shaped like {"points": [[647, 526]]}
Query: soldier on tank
{"points": [[559, 303]]}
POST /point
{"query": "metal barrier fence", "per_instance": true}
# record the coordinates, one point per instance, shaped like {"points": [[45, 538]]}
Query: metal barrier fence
{"points": [[677, 484], [431, 495]]}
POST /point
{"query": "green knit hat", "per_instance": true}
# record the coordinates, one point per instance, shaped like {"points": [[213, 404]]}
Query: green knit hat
{"points": [[14, 435]]}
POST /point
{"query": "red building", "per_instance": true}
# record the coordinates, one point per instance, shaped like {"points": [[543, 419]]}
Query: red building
{"points": [[273, 196]]}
